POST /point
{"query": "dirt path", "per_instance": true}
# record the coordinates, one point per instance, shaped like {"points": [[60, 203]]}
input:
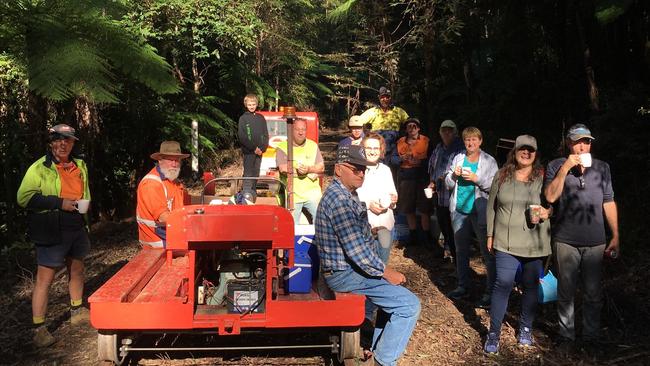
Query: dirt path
{"points": [[447, 333]]}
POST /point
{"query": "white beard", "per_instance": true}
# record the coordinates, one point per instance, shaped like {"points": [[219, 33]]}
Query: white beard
{"points": [[171, 173]]}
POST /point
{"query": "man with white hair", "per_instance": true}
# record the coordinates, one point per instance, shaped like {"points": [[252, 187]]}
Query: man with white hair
{"points": [[159, 192]]}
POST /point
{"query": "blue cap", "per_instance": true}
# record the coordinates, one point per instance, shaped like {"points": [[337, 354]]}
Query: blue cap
{"points": [[579, 131]]}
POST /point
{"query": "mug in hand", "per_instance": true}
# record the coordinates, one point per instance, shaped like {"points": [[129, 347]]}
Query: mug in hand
{"points": [[428, 192], [534, 211], [585, 160], [82, 206]]}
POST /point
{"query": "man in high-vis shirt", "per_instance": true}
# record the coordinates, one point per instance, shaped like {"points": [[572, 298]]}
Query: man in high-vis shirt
{"points": [[159, 192]]}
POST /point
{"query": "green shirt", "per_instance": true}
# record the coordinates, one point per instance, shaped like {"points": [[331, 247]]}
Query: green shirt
{"points": [[380, 120], [506, 219], [465, 195]]}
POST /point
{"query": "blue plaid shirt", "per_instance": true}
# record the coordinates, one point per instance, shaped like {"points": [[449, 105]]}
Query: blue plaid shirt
{"points": [[343, 234]]}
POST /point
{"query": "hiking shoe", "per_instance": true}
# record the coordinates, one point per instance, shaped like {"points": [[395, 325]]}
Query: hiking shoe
{"points": [[458, 293], [42, 337], [491, 344], [484, 302], [79, 316], [525, 338]]}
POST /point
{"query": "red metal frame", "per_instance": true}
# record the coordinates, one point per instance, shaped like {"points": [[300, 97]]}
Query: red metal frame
{"points": [[156, 289]]}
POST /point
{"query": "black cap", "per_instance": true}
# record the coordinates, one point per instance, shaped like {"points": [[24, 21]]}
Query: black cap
{"points": [[352, 154], [63, 130], [384, 91]]}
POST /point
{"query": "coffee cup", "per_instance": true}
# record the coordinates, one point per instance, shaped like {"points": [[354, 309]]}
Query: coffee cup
{"points": [[385, 201], [585, 160], [466, 170], [82, 206], [535, 211], [428, 192]]}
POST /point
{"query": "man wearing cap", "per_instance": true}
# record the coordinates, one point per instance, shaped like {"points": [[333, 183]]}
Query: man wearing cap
{"points": [[349, 260], [386, 116], [580, 189], [413, 150], [439, 164], [50, 191], [356, 132], [159, 192], [308, 164]]}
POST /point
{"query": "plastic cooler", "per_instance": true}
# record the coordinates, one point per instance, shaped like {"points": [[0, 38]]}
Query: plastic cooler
{"points": [[305, 269]]}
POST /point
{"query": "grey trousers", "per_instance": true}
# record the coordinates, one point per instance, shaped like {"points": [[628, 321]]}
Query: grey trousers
{"points": [[574, 263]]}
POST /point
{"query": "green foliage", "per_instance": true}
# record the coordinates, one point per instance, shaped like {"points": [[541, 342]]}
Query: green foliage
{"points": [[608, 11]]}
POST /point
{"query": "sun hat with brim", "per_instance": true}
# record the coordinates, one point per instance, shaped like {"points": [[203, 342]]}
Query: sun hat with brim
{"points": [[525, 140], [579, 131], [169, 149], [352, 154], [63, 130], [355, 121]]}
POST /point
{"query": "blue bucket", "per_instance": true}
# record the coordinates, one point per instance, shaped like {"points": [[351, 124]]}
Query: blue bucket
{"points": [[547, 288]]}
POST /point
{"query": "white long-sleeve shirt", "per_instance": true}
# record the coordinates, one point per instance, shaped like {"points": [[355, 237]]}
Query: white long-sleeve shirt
{"points": [[378, 183]]}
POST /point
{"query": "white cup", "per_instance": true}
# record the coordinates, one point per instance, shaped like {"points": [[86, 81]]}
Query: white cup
{"points": [[385, 201], [82, 206], [466, 170], [428, 192], [585, 160]]}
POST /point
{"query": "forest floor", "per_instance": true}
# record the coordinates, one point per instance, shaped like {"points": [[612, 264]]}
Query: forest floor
{"points": [[447, 333]]}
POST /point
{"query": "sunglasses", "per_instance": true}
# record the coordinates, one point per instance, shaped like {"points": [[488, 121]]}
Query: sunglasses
{"points": [[355, 169]]}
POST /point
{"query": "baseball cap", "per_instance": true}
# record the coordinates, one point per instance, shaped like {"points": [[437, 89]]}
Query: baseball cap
{"points": [[63, 130], [579, 131], [384, 91], [525, 140], [449, 124], [355, 121], [352, 154]]}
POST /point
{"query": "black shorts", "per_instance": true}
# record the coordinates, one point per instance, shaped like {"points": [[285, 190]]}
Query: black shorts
{"points": [[411, 196], [74, 244]]}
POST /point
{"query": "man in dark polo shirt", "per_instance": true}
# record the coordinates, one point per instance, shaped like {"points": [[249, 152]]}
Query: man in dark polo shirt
{"points": [[580, 189]]}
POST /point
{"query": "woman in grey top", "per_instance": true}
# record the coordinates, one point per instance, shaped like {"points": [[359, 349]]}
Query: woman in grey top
{"points": [[518, 235]]}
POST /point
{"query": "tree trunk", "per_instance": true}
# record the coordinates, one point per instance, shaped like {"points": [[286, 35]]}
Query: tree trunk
{"points": [[195, 124]]}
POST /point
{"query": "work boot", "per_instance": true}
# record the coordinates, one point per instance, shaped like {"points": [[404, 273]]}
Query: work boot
{"points": [[79, 315], [42, 337]]}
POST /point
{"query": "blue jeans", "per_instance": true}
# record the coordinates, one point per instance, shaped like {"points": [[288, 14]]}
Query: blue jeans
{"points": [[579, 264], [507, 265], [383, 243], [464, 226], [310, 206], [401, 305]]}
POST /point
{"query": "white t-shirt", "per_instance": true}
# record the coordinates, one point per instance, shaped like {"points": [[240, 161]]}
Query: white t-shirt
{"points": [[378, 184]]}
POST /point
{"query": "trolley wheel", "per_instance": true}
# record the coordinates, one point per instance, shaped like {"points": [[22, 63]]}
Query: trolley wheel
{"points": [[108, 349], [350, 347]]}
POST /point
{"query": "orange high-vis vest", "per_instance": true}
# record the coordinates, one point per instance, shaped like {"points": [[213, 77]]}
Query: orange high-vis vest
{"points": [[155, 196]]}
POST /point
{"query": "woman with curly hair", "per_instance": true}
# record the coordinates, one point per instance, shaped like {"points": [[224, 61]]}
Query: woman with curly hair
{"points": [[519, 236]]}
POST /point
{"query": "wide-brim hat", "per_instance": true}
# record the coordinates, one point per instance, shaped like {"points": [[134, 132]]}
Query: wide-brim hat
{"points": [[169, 149]]}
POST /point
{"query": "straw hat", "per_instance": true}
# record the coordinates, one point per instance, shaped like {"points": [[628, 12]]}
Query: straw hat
{"points": [[167, 149]]}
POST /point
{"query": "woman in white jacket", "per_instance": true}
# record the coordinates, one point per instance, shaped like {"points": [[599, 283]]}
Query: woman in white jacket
{"points": [[469, 180], [379, 194]]}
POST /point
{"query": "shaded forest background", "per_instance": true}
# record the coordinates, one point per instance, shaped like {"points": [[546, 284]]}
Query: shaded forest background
{"points": [[129, 74]]}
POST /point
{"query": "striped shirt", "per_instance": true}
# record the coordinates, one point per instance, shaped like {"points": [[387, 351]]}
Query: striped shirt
{"points": [[343, 234]]}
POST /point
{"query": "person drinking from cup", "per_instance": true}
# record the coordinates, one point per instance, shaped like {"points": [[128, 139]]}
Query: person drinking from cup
{"points": [[519, 236], [580, 189], [50, 190], [469, 180]]}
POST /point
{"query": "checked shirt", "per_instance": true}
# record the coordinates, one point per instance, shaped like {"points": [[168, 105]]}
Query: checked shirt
{"points": [[343, 235]]}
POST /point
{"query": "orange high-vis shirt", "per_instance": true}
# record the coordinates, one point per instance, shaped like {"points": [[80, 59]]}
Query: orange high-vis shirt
{"points": [[72, 184], [155, 196], [418, 150]]}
